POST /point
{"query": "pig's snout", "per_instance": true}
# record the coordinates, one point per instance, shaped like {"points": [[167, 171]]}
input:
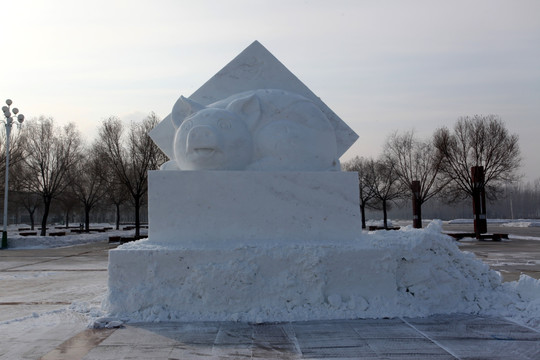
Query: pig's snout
{"points": [[202, 138]]}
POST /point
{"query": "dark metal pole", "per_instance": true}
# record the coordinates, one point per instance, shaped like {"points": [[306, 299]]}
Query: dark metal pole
{"points": [[6, 187], [479, 200]]}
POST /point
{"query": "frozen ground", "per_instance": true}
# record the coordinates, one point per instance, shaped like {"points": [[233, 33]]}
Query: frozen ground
{"points": [[52, 295]]}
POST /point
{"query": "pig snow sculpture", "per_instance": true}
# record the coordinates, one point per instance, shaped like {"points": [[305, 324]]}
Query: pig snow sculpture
{"points": [[267, 130]]}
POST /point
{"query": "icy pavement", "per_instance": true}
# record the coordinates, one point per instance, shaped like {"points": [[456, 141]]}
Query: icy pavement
{"points": [[509, 257], [48, 296], [436, 337]]}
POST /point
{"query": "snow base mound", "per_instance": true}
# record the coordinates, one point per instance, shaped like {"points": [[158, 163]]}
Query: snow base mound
{"points": [[411, 272]]}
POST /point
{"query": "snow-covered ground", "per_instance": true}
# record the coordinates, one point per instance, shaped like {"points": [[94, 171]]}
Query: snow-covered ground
{"points": [[16, 241], [501, 222]]}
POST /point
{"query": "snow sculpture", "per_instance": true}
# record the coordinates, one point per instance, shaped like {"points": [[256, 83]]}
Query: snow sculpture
{"points": [[254, 68], [248, 194], [265, 129]]}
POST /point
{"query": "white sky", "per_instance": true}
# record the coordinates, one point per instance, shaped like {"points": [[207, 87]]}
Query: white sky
{"points": [[380, 65]]}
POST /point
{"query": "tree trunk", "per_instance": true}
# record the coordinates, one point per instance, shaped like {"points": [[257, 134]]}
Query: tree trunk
{"points": [[419, 214], [416, 204], [47, 206], [137, 217], [363, 213], [117, 216], [31, 213], [87, 218], [385, 215], [67, 219]]}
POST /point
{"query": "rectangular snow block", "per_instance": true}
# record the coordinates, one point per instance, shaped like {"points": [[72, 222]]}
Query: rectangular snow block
{"points": [[202, 208]]}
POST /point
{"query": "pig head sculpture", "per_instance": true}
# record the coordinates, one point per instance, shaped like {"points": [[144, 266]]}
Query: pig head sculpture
{"points": [[266, 130]]}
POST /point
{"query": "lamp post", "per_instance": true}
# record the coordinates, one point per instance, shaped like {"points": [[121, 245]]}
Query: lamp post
{"points": [[9, 118]]}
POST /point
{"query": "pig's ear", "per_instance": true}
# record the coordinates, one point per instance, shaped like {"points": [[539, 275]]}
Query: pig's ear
{"points": [[182, 109], [249, 108]]}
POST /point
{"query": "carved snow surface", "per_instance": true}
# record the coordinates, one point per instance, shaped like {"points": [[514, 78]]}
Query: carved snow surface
{"points": [[265, 129], [254, 68]]}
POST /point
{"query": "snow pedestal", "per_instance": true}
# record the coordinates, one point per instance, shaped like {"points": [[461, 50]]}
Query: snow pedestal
{"points": [[226, 245], [251, 283]]}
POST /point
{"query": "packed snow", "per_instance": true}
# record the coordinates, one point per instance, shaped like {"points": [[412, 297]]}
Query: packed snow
{"points": [[424, 273]]}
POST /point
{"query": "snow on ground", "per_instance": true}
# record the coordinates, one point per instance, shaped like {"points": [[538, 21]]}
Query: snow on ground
{"points": [[521, 237], [16, 241], [501, 222], [379, 223], [522, 223]]}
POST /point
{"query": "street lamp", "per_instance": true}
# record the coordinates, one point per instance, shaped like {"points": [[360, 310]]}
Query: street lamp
{"points": [[8, 121]]}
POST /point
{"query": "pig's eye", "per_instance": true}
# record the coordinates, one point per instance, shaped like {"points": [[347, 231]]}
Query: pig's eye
{"points": [[186, 125], [224, 124]]}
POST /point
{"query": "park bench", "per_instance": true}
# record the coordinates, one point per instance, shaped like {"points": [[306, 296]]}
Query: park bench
{"points": [[115, 239], [57, 233], [375, 228], [28, 233], [482, 237]]}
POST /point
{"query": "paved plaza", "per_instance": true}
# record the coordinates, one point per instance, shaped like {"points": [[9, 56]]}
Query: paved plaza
{"points": [[42, 319], [438, 337]]}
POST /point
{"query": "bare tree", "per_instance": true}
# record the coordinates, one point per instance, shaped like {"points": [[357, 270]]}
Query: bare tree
{"points": [[384, 182], [66, 202], [521, 200], [89, 182], [417, 166], [360, 165], [117, 195], [477, 141], [30, 202], [131, 156], [116, 192], [16, 146], [49, 155]]}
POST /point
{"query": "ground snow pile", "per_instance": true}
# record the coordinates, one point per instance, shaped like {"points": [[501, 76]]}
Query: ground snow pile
{"points": [[433, 276], [420, 272], [522, 301]]}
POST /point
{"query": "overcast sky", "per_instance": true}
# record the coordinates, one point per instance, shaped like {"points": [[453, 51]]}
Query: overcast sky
{"points": [[380, 65]]}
